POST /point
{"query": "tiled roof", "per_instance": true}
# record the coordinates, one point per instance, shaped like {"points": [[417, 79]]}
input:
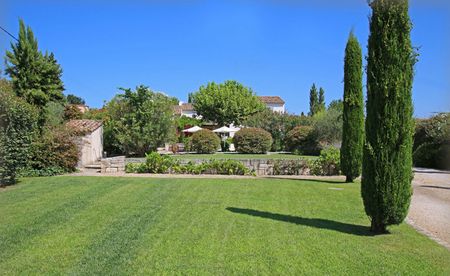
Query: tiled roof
{"points": [[84, 125], [271, 99], [177, 109]]}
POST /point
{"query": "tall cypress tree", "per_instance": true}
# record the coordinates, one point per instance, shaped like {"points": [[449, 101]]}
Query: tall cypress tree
{"points": [[387, 156], [353, 114], [313, 100], [36, 77], [321, 102]]}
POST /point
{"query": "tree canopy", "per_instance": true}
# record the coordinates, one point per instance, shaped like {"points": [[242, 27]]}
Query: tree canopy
{"points": [[226, 103], [138, 121]]}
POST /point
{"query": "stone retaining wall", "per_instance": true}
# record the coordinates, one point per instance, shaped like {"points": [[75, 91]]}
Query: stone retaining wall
{"points": [[259, 166], [113, 164]]}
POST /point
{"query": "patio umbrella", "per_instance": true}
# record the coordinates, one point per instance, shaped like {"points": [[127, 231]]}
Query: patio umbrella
{"points": [[223, 129], [192, 129]]}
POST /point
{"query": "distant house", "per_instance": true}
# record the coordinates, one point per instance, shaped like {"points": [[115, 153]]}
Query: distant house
{"points": [[82, 107], [185, 109], [89, 141], [275, 103]]}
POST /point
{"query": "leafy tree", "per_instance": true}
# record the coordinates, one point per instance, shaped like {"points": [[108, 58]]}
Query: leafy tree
{"points": [[387, 157], [313, 100], [138, 121], [17, 129], [36, 77], [73, 99], [277, 124], [54, 114], [321, 102], [226, 103], [353, 115], [71, 112]]}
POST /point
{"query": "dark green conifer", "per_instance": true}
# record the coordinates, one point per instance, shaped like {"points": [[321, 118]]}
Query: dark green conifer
{"points": [[353, 114], [387, 157]]}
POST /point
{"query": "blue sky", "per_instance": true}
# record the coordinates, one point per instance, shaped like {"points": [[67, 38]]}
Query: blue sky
{"points": [[274, 47]]}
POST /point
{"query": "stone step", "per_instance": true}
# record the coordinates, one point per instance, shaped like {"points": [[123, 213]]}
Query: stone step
{"points": [[93, 166]]}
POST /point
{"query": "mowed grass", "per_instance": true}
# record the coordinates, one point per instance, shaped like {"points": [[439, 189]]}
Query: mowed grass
{"points": [[107, 225]]}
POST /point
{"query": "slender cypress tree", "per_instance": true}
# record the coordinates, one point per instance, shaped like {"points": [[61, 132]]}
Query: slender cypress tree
{"points": [[321, 102], [353, 114], [313, 100], [387, 156]]}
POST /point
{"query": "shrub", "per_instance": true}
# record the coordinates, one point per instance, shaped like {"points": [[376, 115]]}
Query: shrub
{"points": [[205, 141], [290, 167], [252, 140], [300, 140], [71, 112], [18, 122], [54, 153], [432, 142], [432, 155], [328, 162], [156, 163]]}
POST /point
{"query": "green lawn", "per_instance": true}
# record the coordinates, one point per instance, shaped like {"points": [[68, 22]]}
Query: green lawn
{"points": [[244, 156], [100, 225]]}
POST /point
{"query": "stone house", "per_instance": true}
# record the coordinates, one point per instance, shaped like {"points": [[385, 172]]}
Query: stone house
{"points": [[275, 103], [89, 140]]}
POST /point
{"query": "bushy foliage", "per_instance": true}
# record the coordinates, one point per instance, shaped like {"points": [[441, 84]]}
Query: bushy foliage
{"points": [[73, 99], [55, 114], [327, 128], [300, 141], [18, 124], [205, 141], [387, 157], [432, 142], [252, 140], [290, 167], [328, 162], [54, 152], [156, 163], [137, 122], [277, 124], [226, 103], [71, 112], [353, 114]]}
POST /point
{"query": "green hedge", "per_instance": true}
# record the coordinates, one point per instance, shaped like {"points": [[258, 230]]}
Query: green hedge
{"points": [[205, 141], [252, 140], [156, 163]]}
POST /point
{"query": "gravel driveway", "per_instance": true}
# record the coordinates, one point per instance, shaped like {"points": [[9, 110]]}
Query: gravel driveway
{"points": [[430, 206]]}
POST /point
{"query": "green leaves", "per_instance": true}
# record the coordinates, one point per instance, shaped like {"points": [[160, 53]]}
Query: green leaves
{"points": [[138, 121], [226, 103]]}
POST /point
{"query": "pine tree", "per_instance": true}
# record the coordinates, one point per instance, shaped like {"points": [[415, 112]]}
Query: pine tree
{"points": [[321, 101], [35, 77], [353, 114], [387, 156], [313, 100]]}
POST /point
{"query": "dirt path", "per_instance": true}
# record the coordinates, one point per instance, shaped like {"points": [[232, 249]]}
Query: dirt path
{"points": [[430, 205]]}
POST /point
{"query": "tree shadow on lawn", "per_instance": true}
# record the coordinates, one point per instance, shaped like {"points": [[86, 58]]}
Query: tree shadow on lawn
{"points": [[342, 227]]}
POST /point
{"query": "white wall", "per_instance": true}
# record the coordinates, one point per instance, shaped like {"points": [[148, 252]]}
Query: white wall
{"points": [[277, 107], [91, 147]]}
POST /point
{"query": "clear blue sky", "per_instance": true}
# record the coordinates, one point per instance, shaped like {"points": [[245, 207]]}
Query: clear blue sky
{"points": [[275, 47]]}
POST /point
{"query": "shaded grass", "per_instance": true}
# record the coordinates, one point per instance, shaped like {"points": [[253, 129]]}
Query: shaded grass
{"points": [[89, 225]]}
